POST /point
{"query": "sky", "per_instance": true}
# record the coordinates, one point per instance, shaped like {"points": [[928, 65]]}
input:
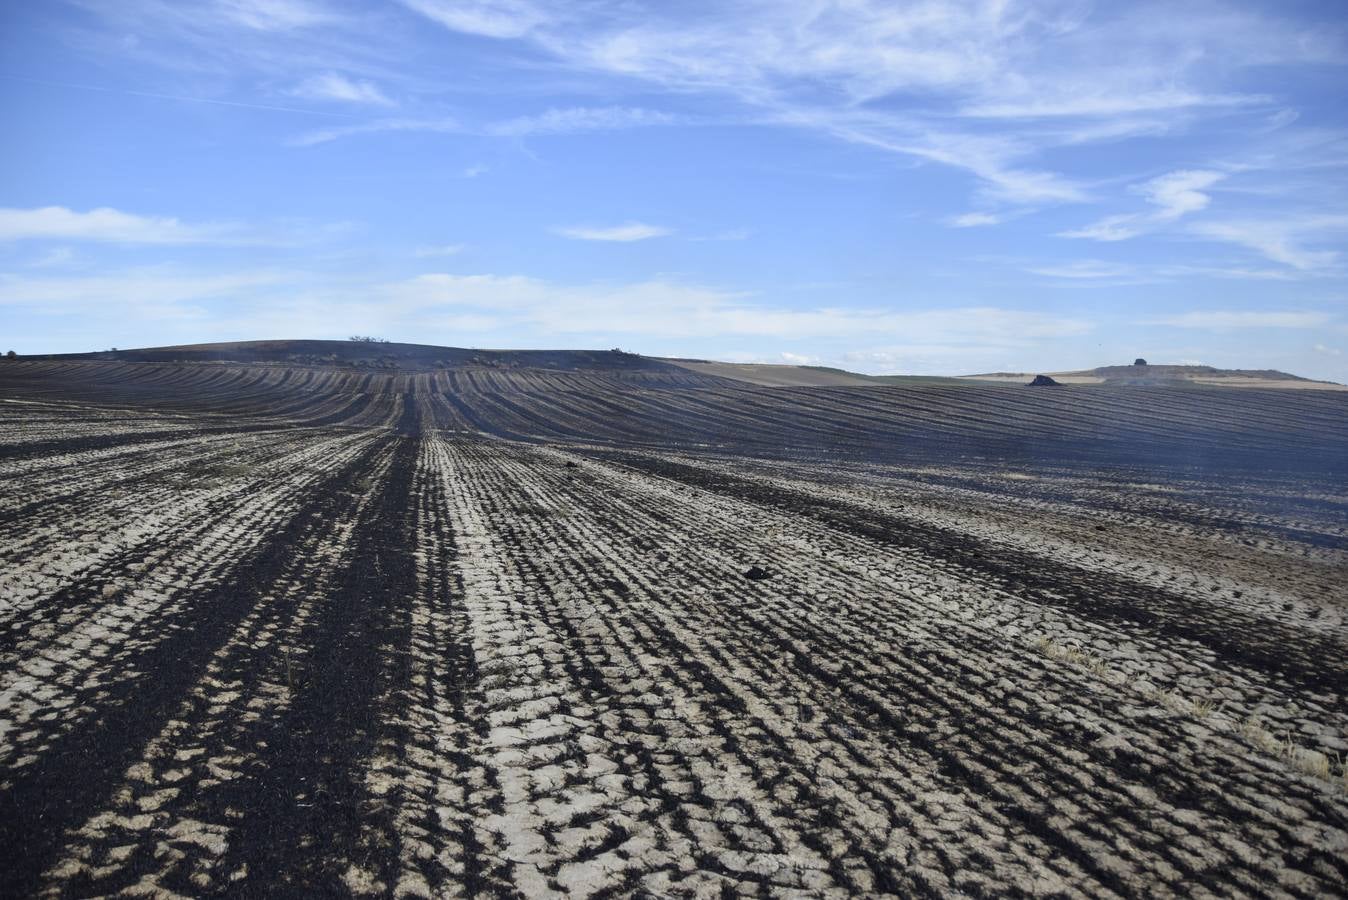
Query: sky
{"points": [[933, 187]]}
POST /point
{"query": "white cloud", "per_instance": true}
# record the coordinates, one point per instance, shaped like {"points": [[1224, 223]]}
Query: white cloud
{"points": [[1176, 193], [1110, 228], [474, 171], [1105, 104], [553, 121], [1136, 273], [1114, 273], [915, 79], [1086, 268], [488, 18], [1239, 272], [576, 119], [1281, 240], [170, 304], [1327, 350], [974, 220], [131, 292], [104, 224], [668, 309], [445, 125], [332, 86], [113, 226], [838, 67], [274, 15], [1180, 193], [1223, 319], [631, 231], [798, 359], [945, 357], [993, 159]]}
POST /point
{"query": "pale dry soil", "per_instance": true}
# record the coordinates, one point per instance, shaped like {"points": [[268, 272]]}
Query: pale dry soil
{"points": [[393, 660]]}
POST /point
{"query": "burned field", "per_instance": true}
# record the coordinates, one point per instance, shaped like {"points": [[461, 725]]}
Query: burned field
{"points": [[292, 629]]}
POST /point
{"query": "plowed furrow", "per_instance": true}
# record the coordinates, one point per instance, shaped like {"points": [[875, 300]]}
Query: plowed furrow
{"points": [[1192, 562], [173, 813], [44, 795], [306, 777], [103, 442], [425, 782], [1242, 640], [586, 770], [739, 731], [127, 567], [948, 702], [92, 482]]}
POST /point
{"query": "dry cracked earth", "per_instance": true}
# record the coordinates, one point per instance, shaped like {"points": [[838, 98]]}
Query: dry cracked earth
{"points": [[274, 631]]}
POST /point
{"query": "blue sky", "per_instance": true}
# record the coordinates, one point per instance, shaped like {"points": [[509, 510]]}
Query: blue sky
{"points": [[932, 187]]}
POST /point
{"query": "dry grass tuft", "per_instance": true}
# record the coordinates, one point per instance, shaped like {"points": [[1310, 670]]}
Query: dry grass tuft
{"points": [[1172, 700], [1179, 704], [1315, 763], [1304, 760], [1076, 657]]}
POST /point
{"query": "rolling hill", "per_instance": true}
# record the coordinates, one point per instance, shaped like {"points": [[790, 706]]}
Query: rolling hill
{"points": [[330, 619], [377, 355], [1173, 376]]}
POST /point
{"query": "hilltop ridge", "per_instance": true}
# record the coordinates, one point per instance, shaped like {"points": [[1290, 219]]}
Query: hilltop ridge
{"points": [[1168, 375], [374, 355], [393, 356]]}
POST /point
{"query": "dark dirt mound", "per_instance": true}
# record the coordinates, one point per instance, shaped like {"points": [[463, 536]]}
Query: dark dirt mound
{"points": [[1043, 381]]}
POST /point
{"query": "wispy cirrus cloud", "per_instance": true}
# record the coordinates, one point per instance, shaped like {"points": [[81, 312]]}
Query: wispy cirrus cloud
{"points": [[1115, 272], [275, 15], [237, 41], [488, 18], [1088, 105], [333, 86], [107, 224], [625, 233], [114, 226], [1227, 319], [963, 112], [922, 82], [837, 68], [571, 120], [974, 220], [1084, 269], [578, 119], [1176, 194], [1282, 240], [997, 160], [378, 126]]}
